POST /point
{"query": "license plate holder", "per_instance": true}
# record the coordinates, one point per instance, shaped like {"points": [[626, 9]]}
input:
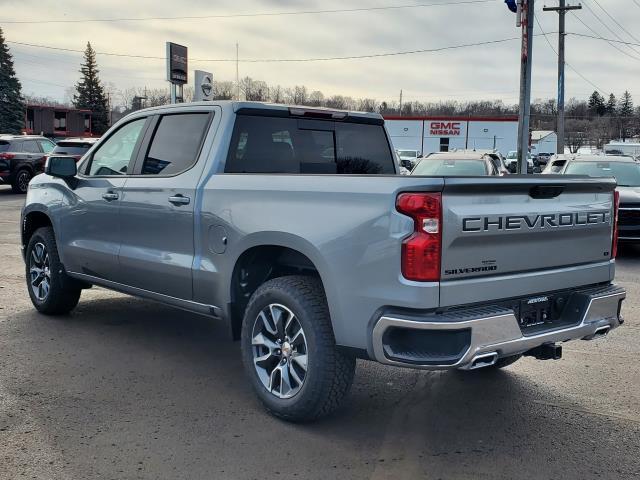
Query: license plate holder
{"points": [[535, 312]]}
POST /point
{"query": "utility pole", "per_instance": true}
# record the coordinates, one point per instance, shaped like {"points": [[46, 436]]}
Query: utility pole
{"points": [[525, 20], [400, 102], [562, 10], [237, 74]]}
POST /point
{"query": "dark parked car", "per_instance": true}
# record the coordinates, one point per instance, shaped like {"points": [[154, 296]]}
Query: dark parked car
{"points": [[74, 147], [457, 164], [626, 171], [22, 157]]}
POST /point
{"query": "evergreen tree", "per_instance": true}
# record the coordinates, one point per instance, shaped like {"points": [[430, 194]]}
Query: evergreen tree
{"points": [[597, 104], [11, 101], [625, 110], [90, 93], [612, 105], [626, 105]]}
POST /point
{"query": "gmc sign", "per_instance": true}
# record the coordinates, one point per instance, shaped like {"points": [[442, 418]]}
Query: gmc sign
{"points": [[444, 129]]}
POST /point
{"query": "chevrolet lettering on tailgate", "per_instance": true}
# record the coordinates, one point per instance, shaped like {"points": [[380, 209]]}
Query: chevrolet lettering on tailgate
{"points": [[517, 222]]}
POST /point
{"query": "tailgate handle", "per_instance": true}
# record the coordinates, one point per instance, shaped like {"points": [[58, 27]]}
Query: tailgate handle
{"points": [[547, 191]]}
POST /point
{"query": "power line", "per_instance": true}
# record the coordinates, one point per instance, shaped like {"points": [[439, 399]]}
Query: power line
{"points": [[274, 60], [262, 14], [567, 63], [611, 30], [616, 22], [637, 3], [624, 42], [599, 37]]}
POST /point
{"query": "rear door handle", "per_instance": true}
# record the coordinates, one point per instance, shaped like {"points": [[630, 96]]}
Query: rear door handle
{"points": [[179, 200], [109, 196]]}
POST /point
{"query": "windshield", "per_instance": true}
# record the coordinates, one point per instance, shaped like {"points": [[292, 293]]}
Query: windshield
{"points": [[512, 154], [450, 167], [408, 153], [627, 174]]}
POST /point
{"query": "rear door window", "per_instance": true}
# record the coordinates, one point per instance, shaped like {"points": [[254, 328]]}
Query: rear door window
{"points": [[262, 144], [30, 146], [5, 146], [176, 143]]}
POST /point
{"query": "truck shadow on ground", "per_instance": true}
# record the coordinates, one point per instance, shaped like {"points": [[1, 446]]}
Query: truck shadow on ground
{"points": [[136, 370]]}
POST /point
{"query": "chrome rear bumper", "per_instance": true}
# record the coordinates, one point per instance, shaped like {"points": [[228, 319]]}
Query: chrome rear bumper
{"points": [[494, 331]]}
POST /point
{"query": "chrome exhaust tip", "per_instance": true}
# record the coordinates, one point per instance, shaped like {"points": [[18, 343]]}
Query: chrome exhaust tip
{"points": [[483, 360], [601, 332]]}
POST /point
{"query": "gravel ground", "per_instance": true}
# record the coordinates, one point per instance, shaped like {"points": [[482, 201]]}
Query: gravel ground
{"points": [[126, 389]]}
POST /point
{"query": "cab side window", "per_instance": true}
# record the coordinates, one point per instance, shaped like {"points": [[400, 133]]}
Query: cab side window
{"points": [[114, 156]]}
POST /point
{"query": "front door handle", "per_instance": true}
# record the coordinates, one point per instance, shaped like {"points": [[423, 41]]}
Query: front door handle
{"points": [[109, 196], [179, 200]]}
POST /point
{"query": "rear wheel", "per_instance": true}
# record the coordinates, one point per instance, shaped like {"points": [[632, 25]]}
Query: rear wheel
{"points": [[51, 291], [289, 350], [21, 182]]}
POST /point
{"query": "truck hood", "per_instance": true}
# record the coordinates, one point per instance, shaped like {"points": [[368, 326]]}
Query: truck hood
{"points": [[629, 195]]}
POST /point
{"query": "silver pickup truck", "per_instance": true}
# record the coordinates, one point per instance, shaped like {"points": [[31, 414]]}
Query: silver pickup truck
{"points": [[292, 226]]}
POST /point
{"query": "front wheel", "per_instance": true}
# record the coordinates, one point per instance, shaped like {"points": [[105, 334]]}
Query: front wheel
{"points": [[289, 350], [51, 291]]}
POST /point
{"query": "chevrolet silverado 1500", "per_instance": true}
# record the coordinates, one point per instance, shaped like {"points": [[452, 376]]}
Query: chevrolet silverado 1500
{"points": [[292, 225]]}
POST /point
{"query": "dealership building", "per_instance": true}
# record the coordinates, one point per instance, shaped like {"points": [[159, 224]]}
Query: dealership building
{"points": [[443, 133], [57, 122]]}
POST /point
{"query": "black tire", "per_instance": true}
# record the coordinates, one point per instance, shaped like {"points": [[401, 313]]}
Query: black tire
{"points": [[63, 292], [21, 181], [329, 372]]}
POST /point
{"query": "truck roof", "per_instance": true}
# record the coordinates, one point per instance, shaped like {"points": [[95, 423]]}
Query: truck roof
{"points": [[600, 158], [281, 109]]}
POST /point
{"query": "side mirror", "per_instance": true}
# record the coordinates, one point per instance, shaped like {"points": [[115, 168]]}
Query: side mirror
{"points": [[61, 167]]}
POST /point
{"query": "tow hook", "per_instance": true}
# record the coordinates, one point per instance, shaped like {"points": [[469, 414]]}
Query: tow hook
{"points": [[546, 351]]}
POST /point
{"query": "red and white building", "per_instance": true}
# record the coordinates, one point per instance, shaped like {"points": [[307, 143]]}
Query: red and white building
{"points": [[441, 134]]}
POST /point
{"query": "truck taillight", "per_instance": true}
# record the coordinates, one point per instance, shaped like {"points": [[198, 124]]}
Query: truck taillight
{"points": [[421, 252], [6, 156], [616, 207]]}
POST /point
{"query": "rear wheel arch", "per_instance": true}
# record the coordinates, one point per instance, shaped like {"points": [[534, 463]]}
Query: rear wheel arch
{"points": [[257, 265]]}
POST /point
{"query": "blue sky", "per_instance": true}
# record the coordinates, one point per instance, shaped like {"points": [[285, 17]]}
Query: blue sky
{"points": [[490, 71]]}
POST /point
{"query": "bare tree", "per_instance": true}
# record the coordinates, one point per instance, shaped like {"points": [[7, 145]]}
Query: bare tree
{"points": [[277, 94], [316, 99], [223, 90]]}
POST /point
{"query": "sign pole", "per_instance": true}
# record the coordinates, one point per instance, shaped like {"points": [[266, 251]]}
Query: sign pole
{"points": [[527, 12]]}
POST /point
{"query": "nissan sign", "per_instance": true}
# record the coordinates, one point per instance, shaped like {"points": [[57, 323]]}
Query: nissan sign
{"points": [[176, 63], [203, 88]]}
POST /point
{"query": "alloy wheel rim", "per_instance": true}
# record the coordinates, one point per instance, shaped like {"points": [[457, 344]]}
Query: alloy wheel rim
{"points": [[279, 347], [39, 271], [23, 181]]}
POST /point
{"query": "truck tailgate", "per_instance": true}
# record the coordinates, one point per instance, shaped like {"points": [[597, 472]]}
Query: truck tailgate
{"points": [[524, 234]]}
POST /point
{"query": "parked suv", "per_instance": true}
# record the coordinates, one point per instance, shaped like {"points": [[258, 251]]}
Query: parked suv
{"points": [[292, 225], [22, 157], [74, 147]]}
